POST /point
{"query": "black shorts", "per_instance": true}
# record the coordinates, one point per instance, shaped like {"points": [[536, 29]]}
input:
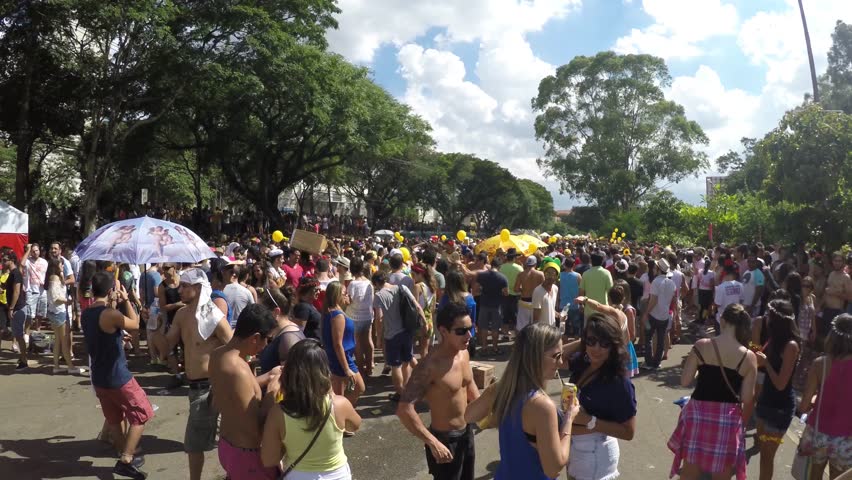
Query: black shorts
{"points": [[460, 444]]}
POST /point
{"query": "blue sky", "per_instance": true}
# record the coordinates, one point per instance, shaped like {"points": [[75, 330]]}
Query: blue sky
{"points": [[470, 68]]}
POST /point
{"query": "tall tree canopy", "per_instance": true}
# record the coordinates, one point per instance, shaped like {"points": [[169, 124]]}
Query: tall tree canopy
{"points": [[836, 83], [608, 131]]}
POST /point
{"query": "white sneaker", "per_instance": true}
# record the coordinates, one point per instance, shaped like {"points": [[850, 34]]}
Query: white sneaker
{"points": [[77, 371]]}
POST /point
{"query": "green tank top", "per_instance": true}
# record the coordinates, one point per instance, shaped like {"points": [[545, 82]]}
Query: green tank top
{"points": [[326, 454]]}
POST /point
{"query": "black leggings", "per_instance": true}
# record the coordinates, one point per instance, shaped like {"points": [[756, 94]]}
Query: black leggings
{"points": [[705, 301]]}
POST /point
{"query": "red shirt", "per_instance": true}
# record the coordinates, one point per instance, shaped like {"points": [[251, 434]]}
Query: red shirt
{"points": [[294, 274]]}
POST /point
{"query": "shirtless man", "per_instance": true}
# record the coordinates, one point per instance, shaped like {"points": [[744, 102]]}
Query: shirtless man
{"points": [[445, 380], [526, 283], [202, 327], [238, 397], [838, 291]]}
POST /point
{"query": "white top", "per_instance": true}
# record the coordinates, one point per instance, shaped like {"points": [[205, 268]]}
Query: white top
{"points": [[360, 308], [727, 293], [705, 280], [664, 289], [546, 301], [55, 293], [238, 298]]}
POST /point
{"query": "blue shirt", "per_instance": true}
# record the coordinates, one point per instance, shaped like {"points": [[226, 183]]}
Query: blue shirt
{"points": [[610, 399], [518, 459], [150, 285], [569, 288], [109, 364]]}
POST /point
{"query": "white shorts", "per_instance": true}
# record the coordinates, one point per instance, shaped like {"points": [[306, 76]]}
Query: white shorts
{"points": [[342, 473], [525, 315], [593, 457]]}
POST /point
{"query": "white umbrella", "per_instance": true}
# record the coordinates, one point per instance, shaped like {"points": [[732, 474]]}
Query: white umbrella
{"points": [[383, 233], [544, 234]]}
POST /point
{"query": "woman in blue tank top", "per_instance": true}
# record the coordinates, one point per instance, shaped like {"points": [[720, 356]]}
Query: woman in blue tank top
{"points": [[535, 439]]}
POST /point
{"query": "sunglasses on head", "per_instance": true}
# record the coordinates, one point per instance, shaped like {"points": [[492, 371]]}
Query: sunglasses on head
{"points": [[461, 331], [596, 342]]}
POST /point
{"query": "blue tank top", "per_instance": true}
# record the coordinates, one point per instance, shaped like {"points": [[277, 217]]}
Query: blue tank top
{"points": [[518, 459], [106, 350], [348, 332], [569, 288], [220, 294]]}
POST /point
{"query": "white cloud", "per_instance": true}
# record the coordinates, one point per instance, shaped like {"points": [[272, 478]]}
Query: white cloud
{"points": [[365, 25], [679, 27]]}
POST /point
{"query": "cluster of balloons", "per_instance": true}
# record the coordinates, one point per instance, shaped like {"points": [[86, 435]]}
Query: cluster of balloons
{"points": [[398, 236], [615, 238]]}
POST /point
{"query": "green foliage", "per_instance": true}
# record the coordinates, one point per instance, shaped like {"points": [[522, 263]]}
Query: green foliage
{"points": [[836, 84], [609, 133]]}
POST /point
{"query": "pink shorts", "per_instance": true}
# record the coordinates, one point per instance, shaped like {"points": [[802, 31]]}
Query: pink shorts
{"points": [[243, 463], [128, 402]]}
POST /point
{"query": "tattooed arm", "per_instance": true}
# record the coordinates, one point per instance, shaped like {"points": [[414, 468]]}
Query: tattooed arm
{"points": [[415, 390]]}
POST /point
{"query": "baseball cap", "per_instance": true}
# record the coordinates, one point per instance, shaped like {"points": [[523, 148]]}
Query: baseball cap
{"points": [[531, 261]]}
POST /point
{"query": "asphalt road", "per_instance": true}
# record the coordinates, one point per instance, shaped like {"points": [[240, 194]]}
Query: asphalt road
{"points": [[49, 423]]}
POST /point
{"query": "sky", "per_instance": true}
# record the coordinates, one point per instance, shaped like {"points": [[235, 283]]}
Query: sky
{"points": [[471, 67]]}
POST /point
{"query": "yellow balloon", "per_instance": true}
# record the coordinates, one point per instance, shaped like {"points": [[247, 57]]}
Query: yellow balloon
{"points": [[277, 236], [461, 235], [443, 238], [504, 235], [401, 239], [616, 230], [406, 255], [623, 234], [551, 240]]}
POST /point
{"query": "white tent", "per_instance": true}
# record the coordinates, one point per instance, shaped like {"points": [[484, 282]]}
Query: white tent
{"points": [[14, 228]]}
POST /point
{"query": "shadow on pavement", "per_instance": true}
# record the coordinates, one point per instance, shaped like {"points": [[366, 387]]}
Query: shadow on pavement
{"points": [[60, 456], [492, 470]]}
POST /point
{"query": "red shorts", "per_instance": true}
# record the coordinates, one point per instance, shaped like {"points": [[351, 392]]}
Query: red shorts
{"points": [[128, 402]]}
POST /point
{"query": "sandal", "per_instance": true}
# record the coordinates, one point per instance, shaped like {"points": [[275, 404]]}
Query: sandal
{"points": [[394, 397]]}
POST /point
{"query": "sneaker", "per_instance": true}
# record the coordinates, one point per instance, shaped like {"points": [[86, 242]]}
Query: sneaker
{"points": [[21, 366], [128, 470], [60, 370], [77, 370]]}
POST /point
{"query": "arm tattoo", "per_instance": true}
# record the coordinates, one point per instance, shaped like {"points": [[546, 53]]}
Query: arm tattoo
{"points": [[418, 384]]}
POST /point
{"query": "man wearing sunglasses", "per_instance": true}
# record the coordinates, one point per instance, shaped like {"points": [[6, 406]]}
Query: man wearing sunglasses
{"points": [[445, 380]]}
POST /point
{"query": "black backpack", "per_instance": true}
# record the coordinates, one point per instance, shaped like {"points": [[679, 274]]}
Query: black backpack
{"points": [[412, 321]]}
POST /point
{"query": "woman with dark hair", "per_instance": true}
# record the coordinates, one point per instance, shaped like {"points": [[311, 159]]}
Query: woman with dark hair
{"points": [[361, 293], [619, 298], [827, 439], [807, 330], [456, 292], [777, 402], [535, 436], [305, 314], [706, 285], [424, 291], [84, 284], [710, 433], [285, 335], [608, 400], [338, 338], [57, 315], [310, 409], [259, 278]]}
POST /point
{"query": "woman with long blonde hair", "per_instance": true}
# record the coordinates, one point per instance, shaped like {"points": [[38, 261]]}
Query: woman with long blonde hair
{"points": [[535, 438]]}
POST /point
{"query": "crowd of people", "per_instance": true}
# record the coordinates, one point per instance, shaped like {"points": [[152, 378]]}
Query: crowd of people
{"points": [[276, 346]]}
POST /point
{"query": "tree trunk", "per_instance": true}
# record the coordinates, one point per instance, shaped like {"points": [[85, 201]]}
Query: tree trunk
{"points": [[24, 142]]}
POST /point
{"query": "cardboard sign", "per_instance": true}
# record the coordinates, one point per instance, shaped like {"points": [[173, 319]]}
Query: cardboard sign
{"points": [[308, 241]]}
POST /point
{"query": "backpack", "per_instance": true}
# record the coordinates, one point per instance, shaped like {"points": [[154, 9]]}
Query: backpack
{"points": [[412, 321]]}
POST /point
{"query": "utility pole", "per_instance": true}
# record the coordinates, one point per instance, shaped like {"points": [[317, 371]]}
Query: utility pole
{"points": [[810, 52]]}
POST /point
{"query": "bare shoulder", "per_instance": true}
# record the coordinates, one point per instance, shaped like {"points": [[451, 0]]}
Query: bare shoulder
{"points": [[540, 404], [420, 381]]}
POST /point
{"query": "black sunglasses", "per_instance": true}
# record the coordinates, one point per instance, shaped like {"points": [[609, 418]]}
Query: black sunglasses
{"points": [[461, 331], [595, 341]]}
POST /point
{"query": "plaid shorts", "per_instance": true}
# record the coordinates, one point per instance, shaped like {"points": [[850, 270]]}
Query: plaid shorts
{"points": [[711, 436]]}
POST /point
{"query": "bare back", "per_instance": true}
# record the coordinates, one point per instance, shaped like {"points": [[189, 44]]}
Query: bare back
{"points": [[529, 281], [838, 281], [237, 397]]}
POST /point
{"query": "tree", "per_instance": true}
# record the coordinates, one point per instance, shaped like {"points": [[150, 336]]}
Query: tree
{"points": [[387, 173], [836, 83], [609, 133], [37, 87]]}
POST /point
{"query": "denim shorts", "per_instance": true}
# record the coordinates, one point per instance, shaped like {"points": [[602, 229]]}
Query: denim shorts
{"points": [[57, 319], [19, 320], [775, 420], [361, 327]]}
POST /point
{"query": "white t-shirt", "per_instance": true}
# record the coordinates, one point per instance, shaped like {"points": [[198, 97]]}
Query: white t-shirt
{"points": [[751, 280], [706, 280], [546, 301], [238, 298], [664, 289], [727, 293], [360, 308], [677, 278]]}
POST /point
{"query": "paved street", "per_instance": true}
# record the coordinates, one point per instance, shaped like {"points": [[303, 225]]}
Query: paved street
{"points": [[49, 424]]}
